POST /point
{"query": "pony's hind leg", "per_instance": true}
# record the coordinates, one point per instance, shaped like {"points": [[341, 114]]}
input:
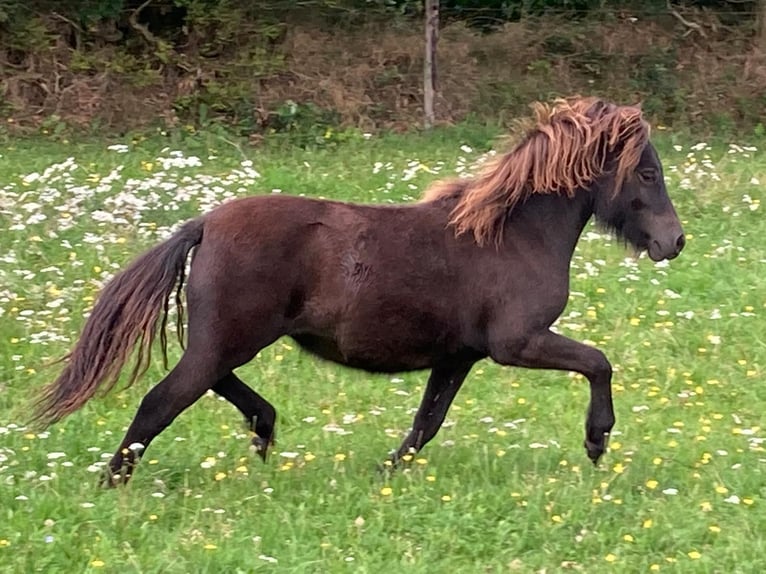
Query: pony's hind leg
{"points": [[194, 374], [259, 414], [443, 384]]}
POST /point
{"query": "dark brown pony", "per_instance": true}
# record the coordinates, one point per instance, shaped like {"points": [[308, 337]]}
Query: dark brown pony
{"points": [[479, 268]]}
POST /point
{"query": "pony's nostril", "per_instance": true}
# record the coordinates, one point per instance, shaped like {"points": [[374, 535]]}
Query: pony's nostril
{"points": [[680, 242]]}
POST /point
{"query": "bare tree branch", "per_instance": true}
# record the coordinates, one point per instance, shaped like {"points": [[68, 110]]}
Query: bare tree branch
{"points": [[693, 26], [143, 30]]}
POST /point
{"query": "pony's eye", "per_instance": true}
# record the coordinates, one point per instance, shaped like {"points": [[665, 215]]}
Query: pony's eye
{"points": [[647, 176]]}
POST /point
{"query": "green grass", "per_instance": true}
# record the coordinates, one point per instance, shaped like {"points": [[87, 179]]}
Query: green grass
{"points": [[504, 487]]}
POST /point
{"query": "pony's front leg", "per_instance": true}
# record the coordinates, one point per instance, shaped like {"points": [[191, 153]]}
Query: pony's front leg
{"points": [[548, 350]]}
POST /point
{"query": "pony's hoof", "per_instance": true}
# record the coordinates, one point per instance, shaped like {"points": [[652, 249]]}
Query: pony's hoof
{"points": [[261, 447], [110, 479], [594, 450], [387, 467]]}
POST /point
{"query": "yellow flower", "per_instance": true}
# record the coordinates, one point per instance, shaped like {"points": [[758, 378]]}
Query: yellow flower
{"points": [[694, 555], [651, 484], [610, 557], [386, 491], [446, 498], [340, 457], [714, 529], [97, 563], [4, 543], [648, 523], [747, 501], [654, 567], [421, 460], [720, 489], [431, 478], [618, 468], [308, 457], [220, 475], [656, 461], [627, 538], [210, 546], [557, 518], [706, 506]]}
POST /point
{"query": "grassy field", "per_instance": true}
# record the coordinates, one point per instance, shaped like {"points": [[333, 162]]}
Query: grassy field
{"points": [[504, 487]]}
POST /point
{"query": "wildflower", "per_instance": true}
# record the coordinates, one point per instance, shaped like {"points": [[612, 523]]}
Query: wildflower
{"points": [[610, 557], [694, 555], [386, 491], [97, 563], [651, 484], [446, 498]]}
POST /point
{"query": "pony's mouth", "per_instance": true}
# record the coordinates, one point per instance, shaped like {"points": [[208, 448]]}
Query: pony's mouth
{"points": [[657, 253], [654, 251]]}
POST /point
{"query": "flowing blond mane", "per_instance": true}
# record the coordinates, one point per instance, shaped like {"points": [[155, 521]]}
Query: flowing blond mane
{"points": [[566, 148]]}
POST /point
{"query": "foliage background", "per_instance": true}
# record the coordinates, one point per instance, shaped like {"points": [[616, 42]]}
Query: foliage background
{"points": [[302, 67]]}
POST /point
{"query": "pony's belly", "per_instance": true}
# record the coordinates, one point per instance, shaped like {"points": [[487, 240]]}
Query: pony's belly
{"points": [[372, 356]]}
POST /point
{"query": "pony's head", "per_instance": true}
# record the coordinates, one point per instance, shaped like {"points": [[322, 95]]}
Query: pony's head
{"points": [[577, 145], [639, 210]]}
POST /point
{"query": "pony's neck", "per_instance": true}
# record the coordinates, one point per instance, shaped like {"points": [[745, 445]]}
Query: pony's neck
{"points": [[555, 221]]}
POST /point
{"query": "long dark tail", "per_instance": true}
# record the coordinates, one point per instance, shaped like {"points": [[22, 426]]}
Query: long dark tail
{"points": [[126, 314]]}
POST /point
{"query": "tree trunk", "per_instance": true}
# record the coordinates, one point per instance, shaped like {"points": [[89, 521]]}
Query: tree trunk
{"points": [[429, 71]]}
